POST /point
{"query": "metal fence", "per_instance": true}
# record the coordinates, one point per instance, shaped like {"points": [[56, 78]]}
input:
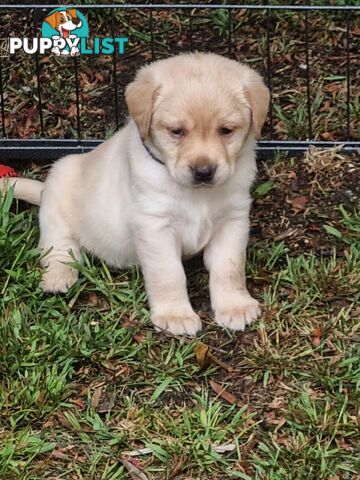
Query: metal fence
{"points": [[230, 28]]}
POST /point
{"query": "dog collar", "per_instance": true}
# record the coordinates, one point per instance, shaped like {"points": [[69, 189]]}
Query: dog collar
{"points": [[151, 154]]}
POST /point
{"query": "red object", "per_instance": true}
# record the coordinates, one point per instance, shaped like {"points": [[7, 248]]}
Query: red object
{"points": [[6, 171]]}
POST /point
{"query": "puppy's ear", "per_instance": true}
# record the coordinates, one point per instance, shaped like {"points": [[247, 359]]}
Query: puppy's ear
{"points": [[72, 12], [258, 96], [140, 97], [52, 20]]}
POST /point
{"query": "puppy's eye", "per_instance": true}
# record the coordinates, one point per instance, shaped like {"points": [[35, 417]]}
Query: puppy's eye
{"points": [[177, 132], [61, 20], [226, 131]]}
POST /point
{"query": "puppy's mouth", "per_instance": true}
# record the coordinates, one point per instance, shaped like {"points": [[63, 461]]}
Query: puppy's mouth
{"points": [[203, 184], [65, 33]]}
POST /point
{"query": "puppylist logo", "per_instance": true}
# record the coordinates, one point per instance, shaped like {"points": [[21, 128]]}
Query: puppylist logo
{"points": [[65, 32]]}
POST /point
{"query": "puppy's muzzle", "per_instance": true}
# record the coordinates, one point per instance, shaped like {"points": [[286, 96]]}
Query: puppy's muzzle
{"points": [[203, 173]]}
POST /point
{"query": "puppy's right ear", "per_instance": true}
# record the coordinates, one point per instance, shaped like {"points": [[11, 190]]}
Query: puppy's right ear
{"points": [[140, 97], [52, 20], [259, 97]]}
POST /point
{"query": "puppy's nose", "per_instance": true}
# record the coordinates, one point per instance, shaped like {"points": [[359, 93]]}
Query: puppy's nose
{"points": [[203, 173], [76, 21]]}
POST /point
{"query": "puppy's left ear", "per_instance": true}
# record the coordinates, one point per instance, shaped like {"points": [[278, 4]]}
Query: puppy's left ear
{"points": [[140, 97], [259, 97], [72, 12], [52, 20]]}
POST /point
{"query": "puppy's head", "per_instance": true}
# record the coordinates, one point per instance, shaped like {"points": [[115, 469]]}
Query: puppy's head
{"points": [[196, 111], [64, 21]]}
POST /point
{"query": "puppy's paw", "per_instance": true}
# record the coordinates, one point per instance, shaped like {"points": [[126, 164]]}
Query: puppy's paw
{"points": [[176, 323], [58, 279], [238, 315]]}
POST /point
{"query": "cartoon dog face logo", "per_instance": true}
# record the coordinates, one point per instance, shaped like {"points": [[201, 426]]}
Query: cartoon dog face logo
{"points": [[64, 21]]}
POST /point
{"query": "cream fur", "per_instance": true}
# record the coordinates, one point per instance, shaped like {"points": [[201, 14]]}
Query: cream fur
{"points": [[120, 204]]}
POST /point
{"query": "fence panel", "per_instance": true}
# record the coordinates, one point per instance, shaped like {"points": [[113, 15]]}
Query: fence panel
{"points": [[309, 56]]}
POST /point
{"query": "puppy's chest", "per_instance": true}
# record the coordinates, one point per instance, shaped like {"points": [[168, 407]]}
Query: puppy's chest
{"points": [[194, 227]]}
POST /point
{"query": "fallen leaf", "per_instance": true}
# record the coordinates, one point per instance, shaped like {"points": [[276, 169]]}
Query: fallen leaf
{"points": [[64, 422], [327, 136], [79, 403], [92, 299], [333, 88], [99, 76], [134, 472], [58, 454], [96, 397], [299, 203], [277, 402], [178, 467], [313, 227], [248, 339], [224, 394], [139, 337], [316, 335], [201, 353], [317, 332], [204, 357], [72, 110]]}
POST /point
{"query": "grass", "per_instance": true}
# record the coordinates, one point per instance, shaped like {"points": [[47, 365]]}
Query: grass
{"points": [[84, 379]]}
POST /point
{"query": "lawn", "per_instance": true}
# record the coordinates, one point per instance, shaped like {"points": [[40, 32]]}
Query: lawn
{"points": [[88, 390]]}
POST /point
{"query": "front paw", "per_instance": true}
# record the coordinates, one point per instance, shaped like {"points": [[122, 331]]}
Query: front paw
{"points": [[58, 279], [239, 313], [177, 322]]}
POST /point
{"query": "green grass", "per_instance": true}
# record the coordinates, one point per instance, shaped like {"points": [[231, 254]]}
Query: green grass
{"points": [[84, 378]]}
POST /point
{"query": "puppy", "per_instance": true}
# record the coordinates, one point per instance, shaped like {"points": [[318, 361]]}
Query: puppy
{"points": [[173, 182], [64, 21]]}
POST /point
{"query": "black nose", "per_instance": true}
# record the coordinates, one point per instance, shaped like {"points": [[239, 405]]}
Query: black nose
{"points": [[203, 173], [76, 21]]}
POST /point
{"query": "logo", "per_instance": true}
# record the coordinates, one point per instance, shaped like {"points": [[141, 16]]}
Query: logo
{"points": [[65, 32], [66, 28]]}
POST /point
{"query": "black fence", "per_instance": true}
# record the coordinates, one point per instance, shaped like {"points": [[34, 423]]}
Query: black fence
{"points": [[309, 56]]}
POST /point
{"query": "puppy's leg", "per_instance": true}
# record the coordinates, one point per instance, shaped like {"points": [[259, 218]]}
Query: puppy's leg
{"points": [[225, 258], [160, 258], [56, 243]]}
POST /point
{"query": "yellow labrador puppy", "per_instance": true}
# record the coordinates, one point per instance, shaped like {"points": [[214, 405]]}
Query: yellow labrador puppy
{"points": [[173, 182]]}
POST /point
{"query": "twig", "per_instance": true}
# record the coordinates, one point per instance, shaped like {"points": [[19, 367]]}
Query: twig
{"points": [[228, 447]]}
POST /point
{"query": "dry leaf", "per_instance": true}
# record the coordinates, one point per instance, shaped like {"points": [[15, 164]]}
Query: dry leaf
{"points": [[201, 353], [64, 422], [96, 397], [58, 454], [316, 335], [277, 402], [204, 357], [92, 299], [327, 136], [224, 394], [317, 332], [178, 467], [79, 403], [134, 472], [299, 203], [139, 337]]}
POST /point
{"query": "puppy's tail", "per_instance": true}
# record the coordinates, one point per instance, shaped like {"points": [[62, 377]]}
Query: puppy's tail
{"points": [[24, 188]]}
